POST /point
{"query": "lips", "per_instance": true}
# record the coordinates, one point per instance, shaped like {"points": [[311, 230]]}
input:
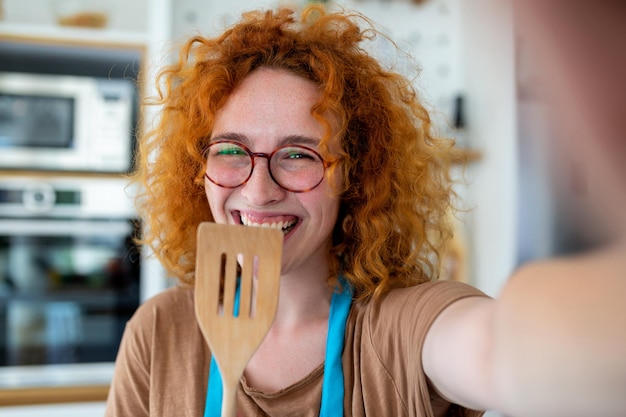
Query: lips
{"points": [[284, 223]]}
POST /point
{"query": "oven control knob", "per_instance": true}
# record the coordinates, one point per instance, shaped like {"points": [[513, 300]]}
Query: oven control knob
{"points": [[39, 197]]}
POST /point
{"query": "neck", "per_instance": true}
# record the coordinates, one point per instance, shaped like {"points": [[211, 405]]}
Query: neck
{"points": [[304, 297]]}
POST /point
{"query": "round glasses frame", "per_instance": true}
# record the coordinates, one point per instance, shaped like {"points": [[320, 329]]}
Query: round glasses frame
{"points": [[268, 156]]}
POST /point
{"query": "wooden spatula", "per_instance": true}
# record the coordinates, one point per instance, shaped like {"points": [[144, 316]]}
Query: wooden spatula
{"points": [[234, 260]]}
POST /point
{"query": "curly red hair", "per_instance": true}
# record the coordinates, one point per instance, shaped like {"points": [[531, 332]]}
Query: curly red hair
{"points": [[396, 190]]}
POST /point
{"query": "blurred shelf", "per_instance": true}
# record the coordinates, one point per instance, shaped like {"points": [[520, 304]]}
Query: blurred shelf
{"points": [[53, 395], [69, 174], [73, 35]]}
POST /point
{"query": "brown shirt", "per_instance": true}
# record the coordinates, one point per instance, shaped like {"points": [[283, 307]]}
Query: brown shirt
{"points": [[163, 363]]}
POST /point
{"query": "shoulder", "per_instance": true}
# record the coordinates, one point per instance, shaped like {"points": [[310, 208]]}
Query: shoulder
{"points": [[411, 309], [171, 297], [173, 304], [432, 297], [153, 357], [388, 335], [162, 321]]}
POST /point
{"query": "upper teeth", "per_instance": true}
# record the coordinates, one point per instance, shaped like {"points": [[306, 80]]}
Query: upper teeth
{"points": [[280, 225]]}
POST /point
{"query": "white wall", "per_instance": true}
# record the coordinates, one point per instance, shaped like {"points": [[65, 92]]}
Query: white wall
{"points": [[489, 62]]}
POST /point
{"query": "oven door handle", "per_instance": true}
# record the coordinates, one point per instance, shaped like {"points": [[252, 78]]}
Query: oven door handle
{"points": [[32, 227]]}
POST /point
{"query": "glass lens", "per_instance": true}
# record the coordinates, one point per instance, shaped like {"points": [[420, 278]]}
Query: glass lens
{"points": [[297, 168], [228, 164]]}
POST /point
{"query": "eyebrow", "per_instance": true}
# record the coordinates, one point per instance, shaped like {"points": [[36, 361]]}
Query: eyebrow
{"points": [[287, 140]]}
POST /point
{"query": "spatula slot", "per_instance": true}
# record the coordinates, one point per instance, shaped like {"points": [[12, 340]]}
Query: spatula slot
{"points": [[248, 284], [238, 285], [222, 277], [230, 273]]}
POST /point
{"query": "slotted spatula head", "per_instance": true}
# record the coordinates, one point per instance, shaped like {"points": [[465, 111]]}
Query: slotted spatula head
{"points": [[236, 262]]}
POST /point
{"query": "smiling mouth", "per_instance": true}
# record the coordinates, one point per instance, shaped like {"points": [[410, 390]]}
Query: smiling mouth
{"points": [[283, 223]]}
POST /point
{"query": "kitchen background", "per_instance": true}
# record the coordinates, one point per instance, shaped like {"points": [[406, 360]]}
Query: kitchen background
{"points": [[475, 74]]}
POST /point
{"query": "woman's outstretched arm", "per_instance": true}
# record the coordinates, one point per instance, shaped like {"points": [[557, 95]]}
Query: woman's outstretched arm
{"points": [[552, 344]]}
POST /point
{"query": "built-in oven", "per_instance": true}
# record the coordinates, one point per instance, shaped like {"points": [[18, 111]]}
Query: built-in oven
{"points": [[69, 269]]}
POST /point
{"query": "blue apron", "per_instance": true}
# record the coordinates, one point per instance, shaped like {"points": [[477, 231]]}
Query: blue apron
{"points": [[332, 386]]}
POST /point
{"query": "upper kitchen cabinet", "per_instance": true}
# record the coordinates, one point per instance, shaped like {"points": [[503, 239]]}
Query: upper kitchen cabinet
{"points": [[143, 24]]}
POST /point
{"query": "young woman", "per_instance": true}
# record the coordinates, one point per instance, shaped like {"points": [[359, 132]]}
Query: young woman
{"points": [[363, 223]]}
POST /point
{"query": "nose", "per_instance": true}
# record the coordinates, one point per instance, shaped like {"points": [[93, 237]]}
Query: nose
{"points": [[261, 189]]}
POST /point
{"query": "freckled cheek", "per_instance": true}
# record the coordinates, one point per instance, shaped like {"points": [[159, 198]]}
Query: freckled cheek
{"points": [[324, 206], [217, 196]]}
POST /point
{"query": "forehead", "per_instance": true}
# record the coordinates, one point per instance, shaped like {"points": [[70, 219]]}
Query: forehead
{"points": [[281, 83], [269, 105]]}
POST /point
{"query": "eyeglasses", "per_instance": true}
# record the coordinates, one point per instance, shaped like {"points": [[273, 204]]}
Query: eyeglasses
{"points": [[295, 168]]}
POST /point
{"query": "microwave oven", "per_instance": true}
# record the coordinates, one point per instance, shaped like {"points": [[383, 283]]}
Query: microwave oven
{"points": [[58, 122]]}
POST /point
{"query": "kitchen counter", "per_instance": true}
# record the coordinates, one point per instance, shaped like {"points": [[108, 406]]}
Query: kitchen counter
{"points": [[47, 384]]}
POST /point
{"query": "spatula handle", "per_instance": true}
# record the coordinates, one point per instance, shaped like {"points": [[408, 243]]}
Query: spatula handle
{"points": [[229, 400]]}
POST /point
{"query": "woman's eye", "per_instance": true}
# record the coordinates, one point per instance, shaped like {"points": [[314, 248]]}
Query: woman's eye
{"points": [[232, 150], [298, 154]]}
